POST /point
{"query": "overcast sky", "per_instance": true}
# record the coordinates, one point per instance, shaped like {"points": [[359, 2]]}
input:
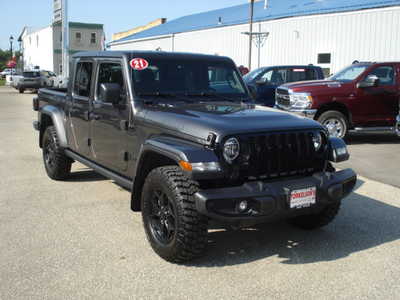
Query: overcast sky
{"points": [[116, 15]]}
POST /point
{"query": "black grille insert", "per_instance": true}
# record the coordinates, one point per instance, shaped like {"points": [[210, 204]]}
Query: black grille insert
{"points": [[280, 154]]}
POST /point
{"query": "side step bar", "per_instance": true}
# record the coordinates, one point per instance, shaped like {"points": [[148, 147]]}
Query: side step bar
{"points": [[123, 181], [374, 129]]}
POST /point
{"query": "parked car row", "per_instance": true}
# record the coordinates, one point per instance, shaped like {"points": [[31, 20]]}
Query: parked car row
{"points": [[363, 97]]}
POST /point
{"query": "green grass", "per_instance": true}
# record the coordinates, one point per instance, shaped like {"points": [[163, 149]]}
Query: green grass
{"points": [[2, 82]]}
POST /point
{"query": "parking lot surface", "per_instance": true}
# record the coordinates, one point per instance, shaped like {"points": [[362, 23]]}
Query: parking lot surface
{"points": [[78, 239]]}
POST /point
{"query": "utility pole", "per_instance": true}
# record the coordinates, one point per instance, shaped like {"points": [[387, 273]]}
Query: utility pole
{"points": [[65, 40], [251, 31]]}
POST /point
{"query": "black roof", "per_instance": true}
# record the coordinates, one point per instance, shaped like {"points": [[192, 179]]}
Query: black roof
{"points": [[150, 54]]}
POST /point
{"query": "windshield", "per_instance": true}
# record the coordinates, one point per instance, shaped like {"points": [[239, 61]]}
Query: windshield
{"points": [[349, 73], [253, 74], [188, 77]]}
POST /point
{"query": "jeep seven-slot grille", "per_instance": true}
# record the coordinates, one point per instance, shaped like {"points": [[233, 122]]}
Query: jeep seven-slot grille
{"points": [[280, 154]]}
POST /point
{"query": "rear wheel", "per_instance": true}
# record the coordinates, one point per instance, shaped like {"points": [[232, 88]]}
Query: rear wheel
{"points": [[174, 228], [21, 90], [57, 164], [314, 221], [335, 122]]}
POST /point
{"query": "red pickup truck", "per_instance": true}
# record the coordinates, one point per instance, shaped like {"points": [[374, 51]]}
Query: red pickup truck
{"points": [[362, 97]]}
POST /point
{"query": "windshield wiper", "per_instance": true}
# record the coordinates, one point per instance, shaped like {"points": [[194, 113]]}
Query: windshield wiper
{"points": [[157, 94], [208, 95]]}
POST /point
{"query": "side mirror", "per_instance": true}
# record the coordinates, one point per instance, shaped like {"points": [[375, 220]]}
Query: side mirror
{"points": [[253, 91], [370, 81], [110, 93]]}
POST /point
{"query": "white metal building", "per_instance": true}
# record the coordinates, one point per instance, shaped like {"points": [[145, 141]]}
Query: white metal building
{"points": [[42, 47], [329, 33]]}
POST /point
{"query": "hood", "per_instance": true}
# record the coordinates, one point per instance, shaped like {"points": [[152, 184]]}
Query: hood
{"points": [[222, 119], [303, 86]]}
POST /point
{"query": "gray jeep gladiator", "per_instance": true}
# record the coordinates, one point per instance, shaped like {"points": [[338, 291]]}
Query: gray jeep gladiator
{"points": [[181, 132]]}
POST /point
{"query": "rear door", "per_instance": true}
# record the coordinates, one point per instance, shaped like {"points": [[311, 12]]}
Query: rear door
{"points": [[380, 104], [82, 88], [109, 122]]}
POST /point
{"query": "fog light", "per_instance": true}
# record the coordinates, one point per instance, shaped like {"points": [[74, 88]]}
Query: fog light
{"points": [[242, 205]]}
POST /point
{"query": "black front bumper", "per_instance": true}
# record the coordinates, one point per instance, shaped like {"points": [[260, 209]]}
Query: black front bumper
{"points": [[268, 201]]}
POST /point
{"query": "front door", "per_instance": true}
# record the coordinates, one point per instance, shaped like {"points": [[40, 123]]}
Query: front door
{"points": [[379, 104], [108, 122], [79, 112]]}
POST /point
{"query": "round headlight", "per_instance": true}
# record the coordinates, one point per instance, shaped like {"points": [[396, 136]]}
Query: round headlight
{"points": [[231, 149], [317, 140]]}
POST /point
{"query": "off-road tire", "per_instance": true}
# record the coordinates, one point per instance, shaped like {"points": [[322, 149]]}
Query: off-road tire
{"points": [[60, 166], [189, 239], [335, 115], [21, 90], [314, 221]]}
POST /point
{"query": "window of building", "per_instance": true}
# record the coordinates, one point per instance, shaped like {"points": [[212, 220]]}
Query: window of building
{"points": [[60, 69], [37, 41], [110, 73], [83, 79], [30, 41], [93, 38], [324, 58], [78, 37]]}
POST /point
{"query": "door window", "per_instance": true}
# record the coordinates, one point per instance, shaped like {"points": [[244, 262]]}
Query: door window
{"points": [[266, 77], [278, 77], [385, 75], [83, 79], [110, 73]]}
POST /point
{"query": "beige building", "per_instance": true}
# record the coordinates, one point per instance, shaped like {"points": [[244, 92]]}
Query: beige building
{"points": [[42, 47]]}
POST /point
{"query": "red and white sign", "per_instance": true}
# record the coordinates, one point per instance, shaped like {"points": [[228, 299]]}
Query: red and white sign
{"points": [[139, 64], [303, 198]]}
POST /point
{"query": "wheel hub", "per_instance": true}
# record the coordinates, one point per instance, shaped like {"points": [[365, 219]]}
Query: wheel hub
{"points": [[334, 126]]}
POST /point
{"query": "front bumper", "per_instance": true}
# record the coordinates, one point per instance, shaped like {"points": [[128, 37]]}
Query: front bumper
{"points": [[269, 201], [397, 126], [29, 85], [308, 113]]}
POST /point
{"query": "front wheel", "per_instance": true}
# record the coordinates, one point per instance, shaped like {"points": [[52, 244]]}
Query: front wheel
{"points": [[21, 90], [57, 164], [335, 122], [314, 221], [174, 228]]}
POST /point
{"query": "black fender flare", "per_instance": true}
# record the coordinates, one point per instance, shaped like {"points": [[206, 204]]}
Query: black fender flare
{"points": [[57, 116], [174, 150]]}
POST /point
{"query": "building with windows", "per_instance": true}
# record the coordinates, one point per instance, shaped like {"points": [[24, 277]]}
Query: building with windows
{"points": [[327, 33], [41, 48]]}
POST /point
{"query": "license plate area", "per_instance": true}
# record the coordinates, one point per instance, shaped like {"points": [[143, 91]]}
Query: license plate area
{"points": [[303, 198]]}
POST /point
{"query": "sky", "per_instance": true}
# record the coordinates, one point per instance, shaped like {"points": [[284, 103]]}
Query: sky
{"points": [[116, 15]]}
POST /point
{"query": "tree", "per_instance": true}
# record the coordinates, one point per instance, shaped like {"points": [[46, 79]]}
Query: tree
{"points": [[5, 56]]}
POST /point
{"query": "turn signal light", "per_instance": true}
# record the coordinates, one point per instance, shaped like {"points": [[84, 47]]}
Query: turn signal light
{"points": [[185, 165]]}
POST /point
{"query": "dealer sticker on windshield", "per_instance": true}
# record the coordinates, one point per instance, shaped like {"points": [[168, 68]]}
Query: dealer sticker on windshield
{"points": [[303, 198], [139, 64]]}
